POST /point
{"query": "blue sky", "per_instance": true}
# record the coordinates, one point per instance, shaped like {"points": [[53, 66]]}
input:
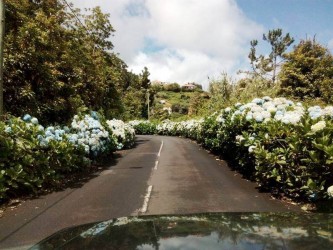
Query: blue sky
{"points": [[301, 18], [190, 40]]}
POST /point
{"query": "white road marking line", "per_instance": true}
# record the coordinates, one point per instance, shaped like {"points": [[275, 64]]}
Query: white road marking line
{"points": [[146, 200], [159, 152], [156, 164]]}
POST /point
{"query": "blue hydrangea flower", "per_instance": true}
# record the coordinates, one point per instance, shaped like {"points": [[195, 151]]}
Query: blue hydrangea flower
{"points": [[66, 129], [27, 118]]}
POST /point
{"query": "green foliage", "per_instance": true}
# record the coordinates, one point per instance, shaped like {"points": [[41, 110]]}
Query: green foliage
{"points": [[144, 127], [182, 104], [135, 96], [294, 160], [54, 67], [220, 92], [247, 89], [308, 72], [174, 87]]}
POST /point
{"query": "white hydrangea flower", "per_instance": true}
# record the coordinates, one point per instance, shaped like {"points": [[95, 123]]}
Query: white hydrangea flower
{"points": [[34, 120], [252, 148], [258, 116], [239, 138], [330, 191], [318, 126], [328, 111], [266, 114], [227, 110], [257, 109]]}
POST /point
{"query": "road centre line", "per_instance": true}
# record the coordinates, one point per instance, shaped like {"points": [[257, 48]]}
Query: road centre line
{"points": [[146, 200], [156, 164], [159, 152], [150, 188]]}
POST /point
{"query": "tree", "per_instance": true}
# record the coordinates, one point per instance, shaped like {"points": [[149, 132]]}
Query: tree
{"points": [[262, 65], [220, 91], [59, 61], [145, 82], [174, 87], [308, 72], [34, 80]]}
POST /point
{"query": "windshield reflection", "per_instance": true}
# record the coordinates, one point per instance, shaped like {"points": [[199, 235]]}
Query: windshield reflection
{"points": [[205, 231]]}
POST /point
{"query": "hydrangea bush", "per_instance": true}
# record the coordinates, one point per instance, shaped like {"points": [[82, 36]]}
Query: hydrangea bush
{"points": [[122, 133], [32, 156], [91, 135]]}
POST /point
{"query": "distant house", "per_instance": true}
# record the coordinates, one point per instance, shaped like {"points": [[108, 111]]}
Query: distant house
{"points": [[189, 86]]}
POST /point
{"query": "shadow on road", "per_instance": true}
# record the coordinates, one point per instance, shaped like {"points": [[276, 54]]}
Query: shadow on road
{"points": [[70, 181], [140, 141], [75, 180]]}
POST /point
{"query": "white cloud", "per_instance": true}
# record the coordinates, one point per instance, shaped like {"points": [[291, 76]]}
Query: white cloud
{"points": [[180, 65], [195, 38]]}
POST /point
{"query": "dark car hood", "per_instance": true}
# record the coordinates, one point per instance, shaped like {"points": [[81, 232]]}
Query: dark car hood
{"points": [[200, 231]]}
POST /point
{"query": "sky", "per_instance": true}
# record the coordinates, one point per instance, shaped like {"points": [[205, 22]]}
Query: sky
{"points": [[197, 40]]}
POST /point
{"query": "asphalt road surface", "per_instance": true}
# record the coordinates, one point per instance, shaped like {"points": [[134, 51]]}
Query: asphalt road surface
{"points": [[161, 175]]}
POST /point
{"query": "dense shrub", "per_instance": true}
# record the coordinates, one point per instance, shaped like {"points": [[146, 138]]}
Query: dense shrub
{"points": [[123, 133], [143, 127], [308, 72], [34, 157], [29, 159]]}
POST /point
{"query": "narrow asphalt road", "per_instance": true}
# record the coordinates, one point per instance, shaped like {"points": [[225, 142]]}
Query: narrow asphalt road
{"points": [[161, 175]]}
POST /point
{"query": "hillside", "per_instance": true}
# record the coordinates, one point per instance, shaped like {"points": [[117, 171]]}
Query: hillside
{"points": [[178, 105]]}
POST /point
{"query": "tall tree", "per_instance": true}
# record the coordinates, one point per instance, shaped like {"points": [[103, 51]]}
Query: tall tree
{"points": [[59, 61], [262, 65]]}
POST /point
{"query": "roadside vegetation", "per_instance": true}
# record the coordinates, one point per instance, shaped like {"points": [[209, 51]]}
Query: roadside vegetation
{"points": [[274, 124], [33, 157]]}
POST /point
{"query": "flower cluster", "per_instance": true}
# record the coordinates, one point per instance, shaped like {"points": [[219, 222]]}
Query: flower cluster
{"points": [[330, 191], [52, 134], [86, 131], [318, 126], [265, 109], [188, 128], [135, 123], [123, 133], [90, 134], [280, 109]]}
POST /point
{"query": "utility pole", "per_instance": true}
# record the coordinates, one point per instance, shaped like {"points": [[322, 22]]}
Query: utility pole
{"points": [[2, 33], [148, 102]]}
